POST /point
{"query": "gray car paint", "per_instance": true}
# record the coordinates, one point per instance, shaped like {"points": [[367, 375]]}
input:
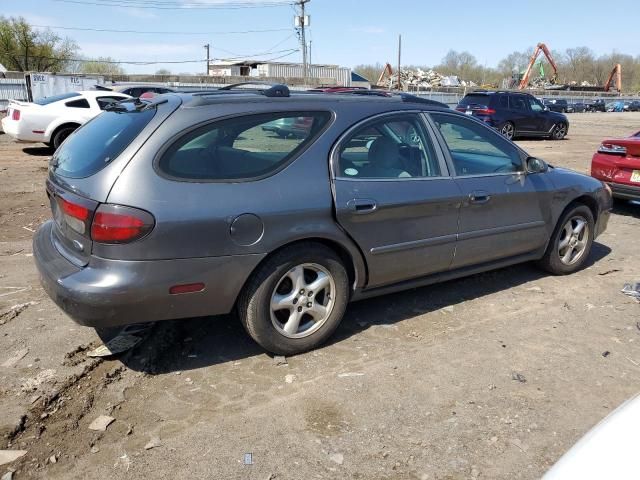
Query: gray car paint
{"points": [[200, 225]]}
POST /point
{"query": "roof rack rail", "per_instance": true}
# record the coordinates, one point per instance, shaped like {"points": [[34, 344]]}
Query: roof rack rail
{"points": [[274, 90]]}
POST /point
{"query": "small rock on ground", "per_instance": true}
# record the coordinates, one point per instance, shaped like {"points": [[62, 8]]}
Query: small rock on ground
{"points": [[101, 423], [337, 458]]}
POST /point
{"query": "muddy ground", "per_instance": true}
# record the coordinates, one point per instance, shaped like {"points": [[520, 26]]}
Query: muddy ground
{"points": [[492, 376]]}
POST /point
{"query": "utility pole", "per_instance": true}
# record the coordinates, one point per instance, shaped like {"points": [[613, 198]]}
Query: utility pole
{"points": [[206, 71], [399, 56], [302, 23]]}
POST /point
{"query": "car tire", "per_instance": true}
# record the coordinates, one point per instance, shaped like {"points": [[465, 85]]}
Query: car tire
{"points": [[508, 130], [61, 135], [559, 131], [570, 244], [278, 294]]}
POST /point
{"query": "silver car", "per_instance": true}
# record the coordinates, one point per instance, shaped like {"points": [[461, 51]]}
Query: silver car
{"points": [[185, 205]]}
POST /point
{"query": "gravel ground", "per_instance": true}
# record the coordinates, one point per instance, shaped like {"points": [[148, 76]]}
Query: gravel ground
{"points": [[492, 376]]}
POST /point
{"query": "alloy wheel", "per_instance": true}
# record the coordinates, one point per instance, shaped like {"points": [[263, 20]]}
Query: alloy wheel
{"points": [[573, 240], [507, 130], [302, 300], [560, 131]]}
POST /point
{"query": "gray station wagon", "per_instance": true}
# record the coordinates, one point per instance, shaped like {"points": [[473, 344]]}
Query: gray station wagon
{"points": [[192, 205]]}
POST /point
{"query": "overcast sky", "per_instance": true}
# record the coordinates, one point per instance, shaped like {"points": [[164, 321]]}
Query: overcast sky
{"points": [[344, 32]]}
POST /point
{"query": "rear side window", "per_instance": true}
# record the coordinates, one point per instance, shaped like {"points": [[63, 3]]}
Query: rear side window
{"points": [[245, 147], [503, 102], [98, 142], [476, 100], [81, 103]]}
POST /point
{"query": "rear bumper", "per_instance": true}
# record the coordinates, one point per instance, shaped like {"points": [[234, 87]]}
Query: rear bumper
{"points": [[628, 192], [113, 292], [15, 131]]}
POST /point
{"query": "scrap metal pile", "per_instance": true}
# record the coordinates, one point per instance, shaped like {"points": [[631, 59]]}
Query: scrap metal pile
{"points": [[421, 80]]}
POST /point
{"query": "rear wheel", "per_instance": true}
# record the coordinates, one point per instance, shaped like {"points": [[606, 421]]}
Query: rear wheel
{"points": [[296, 299], [508, 130], [61, 135], [559, 131], [571, 241]]}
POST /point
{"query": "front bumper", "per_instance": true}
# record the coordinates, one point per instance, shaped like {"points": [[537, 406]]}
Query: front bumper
{"points": [[107, 292]]}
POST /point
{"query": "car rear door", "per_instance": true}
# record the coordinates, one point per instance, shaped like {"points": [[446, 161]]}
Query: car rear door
{"points": [[395, 197], [505, 210]]}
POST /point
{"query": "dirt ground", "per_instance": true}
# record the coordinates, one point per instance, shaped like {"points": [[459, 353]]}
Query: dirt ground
{"points": [[492, 376]]}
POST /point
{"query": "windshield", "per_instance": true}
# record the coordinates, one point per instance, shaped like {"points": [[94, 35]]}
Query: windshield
{"points": [[98, 142], [56, 98]]}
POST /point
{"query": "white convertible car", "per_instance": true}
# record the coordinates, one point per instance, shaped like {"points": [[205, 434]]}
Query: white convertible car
{"points": [[52, 119]]}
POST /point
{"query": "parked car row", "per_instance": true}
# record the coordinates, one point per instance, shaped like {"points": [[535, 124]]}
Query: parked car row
{"points": [[599, 105]]}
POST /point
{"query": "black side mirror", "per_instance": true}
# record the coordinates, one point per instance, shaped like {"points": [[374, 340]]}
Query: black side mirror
{"points": [[536, 165]]}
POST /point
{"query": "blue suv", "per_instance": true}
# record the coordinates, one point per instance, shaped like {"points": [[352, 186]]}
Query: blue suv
{"points": [[515, 114]]}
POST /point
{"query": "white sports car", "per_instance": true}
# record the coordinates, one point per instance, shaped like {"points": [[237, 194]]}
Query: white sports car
{"points": [[51, 120]]}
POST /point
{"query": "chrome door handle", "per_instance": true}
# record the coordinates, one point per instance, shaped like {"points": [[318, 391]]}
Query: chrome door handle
{"points": [[361, 206], [479, 197]]}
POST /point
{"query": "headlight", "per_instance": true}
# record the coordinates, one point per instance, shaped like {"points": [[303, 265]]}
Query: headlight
{"points": [[611, 148]]}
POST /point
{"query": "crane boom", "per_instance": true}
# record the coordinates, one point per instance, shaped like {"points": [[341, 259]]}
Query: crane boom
{"points": [[617, 72], [541, 47]]}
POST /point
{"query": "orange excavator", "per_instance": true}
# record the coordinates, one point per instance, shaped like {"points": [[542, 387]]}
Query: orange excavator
{"points": [[541, 47], [617, 73]]}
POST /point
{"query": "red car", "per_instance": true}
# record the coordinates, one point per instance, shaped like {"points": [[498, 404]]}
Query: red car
{"points": [[617, 163]]}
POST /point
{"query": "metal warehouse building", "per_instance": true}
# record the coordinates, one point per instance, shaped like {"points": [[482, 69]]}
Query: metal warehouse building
{"points": [[329, 74]]}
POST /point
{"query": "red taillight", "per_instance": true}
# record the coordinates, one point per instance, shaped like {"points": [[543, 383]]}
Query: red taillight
{"points": [[485, 111], [75, 215], [461, 109], [15, 115], [75, 210], [117, 224]]}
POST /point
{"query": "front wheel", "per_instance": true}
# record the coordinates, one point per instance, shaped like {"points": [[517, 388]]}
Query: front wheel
{"points": [[508, 130], [296, 299], [570, 244], [559, 131]]}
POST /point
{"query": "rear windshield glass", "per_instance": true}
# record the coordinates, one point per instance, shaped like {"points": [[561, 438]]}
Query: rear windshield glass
{"points": [[98, 142], [56, 98], [475, 100]]}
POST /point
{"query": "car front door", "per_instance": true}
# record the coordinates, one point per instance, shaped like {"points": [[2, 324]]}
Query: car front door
{"points": [[505, 211], [395, 197], [541, 121]]}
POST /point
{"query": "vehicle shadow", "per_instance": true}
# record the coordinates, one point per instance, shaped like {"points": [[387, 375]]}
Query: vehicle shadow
{"points": [[43, 151], [183, 345], [626, 208]]}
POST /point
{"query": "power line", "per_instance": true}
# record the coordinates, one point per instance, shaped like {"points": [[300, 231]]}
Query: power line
{"points": [[177, 6], [231, 32], [156, 62], [88, 60]]}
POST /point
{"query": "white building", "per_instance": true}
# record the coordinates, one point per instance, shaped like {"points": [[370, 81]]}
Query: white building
{"points": [[325, 74]]}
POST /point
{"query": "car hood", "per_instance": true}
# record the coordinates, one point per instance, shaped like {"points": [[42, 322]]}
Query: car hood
{"points": [[608, 450], [558, 117]]}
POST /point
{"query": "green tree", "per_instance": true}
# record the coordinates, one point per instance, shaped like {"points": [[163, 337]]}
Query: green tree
{"points": [[102, 66], [24, 48]]}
